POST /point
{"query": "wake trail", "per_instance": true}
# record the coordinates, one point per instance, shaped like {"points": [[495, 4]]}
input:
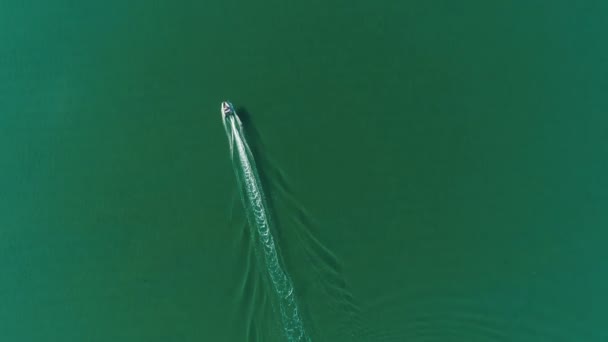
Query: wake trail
{"points": [[258, 216]]}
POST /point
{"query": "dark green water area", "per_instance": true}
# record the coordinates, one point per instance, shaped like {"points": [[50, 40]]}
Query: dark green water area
{"points": [[435, 170]]}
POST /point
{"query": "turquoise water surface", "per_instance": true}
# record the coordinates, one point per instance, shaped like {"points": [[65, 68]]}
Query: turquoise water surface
{"points": [[431, 171]]}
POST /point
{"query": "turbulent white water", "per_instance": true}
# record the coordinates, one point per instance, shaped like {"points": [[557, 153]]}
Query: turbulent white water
{"points": [[258, 216]]}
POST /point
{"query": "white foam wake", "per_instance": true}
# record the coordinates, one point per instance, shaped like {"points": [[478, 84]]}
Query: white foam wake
{"points": [[257, 210]]}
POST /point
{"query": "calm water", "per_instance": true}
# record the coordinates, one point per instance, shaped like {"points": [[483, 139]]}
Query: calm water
{"points": [[436, 171]]}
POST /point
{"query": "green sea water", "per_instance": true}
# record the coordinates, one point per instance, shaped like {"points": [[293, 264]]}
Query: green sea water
{"points": [[434, 170]]}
